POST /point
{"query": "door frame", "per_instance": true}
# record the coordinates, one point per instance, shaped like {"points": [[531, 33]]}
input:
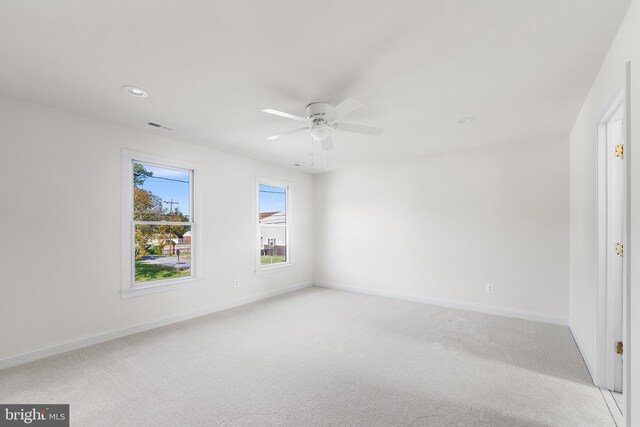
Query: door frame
{"points": [[603, 375]]}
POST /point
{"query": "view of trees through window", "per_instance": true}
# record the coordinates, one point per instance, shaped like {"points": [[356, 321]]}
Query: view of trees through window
{"points": [[273, 224], [162, 222]]}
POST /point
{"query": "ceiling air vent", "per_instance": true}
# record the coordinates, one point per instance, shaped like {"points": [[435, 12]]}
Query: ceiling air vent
{"points": [[158, 125]]}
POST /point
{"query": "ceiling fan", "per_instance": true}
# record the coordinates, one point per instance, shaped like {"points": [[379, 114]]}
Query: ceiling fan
{"points": [[323, 118]]}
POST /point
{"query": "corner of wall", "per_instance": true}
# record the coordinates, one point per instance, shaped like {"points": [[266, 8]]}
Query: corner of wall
{"points": [[588, 360]]}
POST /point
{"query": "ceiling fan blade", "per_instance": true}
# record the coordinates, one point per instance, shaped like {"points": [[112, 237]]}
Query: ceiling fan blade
{"points": [[327, 143], [344, 108], [366, 130], [286, 115], [289, 132]]}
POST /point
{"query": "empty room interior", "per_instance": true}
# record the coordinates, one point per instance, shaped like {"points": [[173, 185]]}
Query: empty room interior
{"points": [[349, 213]]}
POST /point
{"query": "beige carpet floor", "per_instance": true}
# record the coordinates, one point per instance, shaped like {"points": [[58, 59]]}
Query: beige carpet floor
{"points": [[323, 357]]}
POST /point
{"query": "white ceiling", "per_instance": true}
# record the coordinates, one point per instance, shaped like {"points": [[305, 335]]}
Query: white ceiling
{"points": [[522, 68]]}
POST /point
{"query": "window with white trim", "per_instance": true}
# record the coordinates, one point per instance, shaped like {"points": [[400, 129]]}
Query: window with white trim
{"points": [[273, 224], [158, 219]]}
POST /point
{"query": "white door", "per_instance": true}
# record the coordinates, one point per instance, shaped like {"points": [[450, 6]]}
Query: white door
{"points": [[616, 190]]}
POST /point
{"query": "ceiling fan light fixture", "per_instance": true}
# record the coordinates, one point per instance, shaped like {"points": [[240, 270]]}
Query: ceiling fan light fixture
{"points": [[323, 118], [320, 133]]}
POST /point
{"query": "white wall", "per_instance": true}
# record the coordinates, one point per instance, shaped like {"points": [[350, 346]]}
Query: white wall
{"points": [[60, 257], [443, 226], [583, 300]]}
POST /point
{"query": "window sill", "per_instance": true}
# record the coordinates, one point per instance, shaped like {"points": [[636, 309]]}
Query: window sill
{"points": [[174, 285], [274, 268]]}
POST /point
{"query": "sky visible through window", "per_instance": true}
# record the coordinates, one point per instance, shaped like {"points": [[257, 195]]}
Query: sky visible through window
{"points": [[272, 199], [168, 184]]}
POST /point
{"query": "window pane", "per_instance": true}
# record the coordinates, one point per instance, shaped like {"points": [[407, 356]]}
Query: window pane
{"points": [[273, 205], [160, 194], [272, 217], [273, 244], [162, 252]]}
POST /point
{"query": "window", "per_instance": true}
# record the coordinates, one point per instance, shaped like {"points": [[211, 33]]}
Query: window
{"points": [[273, 224], [158, 219]]}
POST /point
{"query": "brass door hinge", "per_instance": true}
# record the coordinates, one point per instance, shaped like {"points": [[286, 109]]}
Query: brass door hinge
{"points": [[619, 150], [619, 249], [619, 347]]}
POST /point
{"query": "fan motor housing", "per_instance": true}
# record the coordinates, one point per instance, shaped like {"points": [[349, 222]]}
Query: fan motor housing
{"points": [[318, 110]]}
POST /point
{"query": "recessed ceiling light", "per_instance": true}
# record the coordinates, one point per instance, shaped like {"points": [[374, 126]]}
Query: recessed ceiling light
{"points": [[297, 165], [465, 120], [135, 91]]}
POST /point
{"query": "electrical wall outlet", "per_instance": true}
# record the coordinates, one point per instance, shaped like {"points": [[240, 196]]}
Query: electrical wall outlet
{"points": [[489, 288], [236, 283]]}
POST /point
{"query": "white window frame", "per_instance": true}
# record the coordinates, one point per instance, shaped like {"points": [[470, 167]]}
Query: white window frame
{"points": [[288, 263], [129, 287]]}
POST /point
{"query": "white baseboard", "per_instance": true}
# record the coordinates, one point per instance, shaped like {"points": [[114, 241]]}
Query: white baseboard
{"points": [[85, 341], [526, 315], [583, 351]]}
